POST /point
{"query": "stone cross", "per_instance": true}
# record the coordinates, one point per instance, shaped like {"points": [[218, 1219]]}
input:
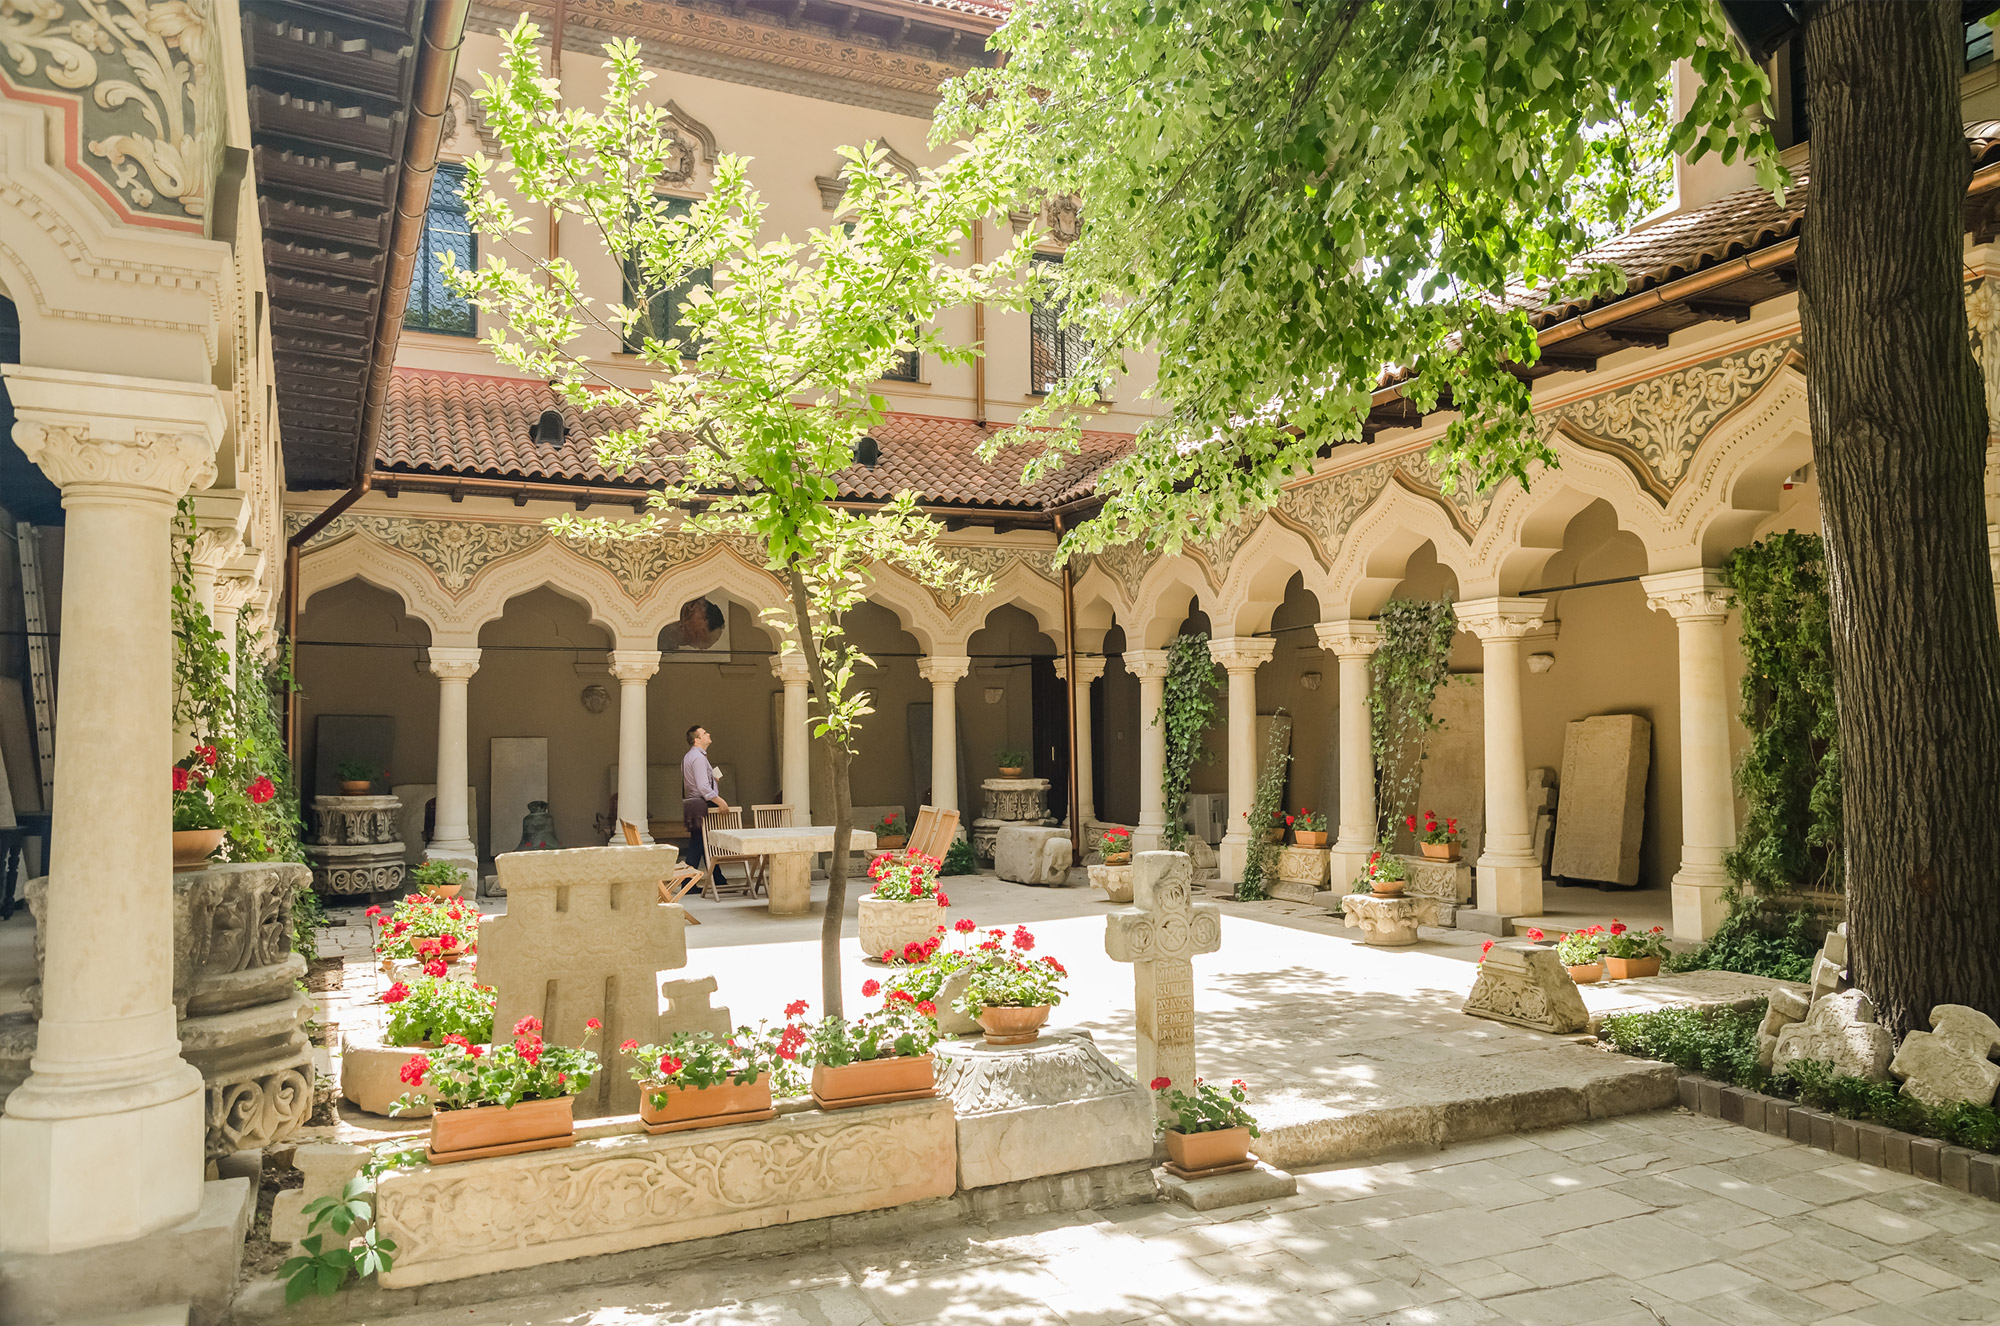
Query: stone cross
{"points": [[1159, 937], [586, 936]]}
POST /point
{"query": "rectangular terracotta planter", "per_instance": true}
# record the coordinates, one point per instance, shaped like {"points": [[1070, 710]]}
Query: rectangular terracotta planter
{"points": [[1305, 839], [704, 1107], [1629, 969], [1440, 851], [873, 1081], [495, 1130], [1211, 1150]]}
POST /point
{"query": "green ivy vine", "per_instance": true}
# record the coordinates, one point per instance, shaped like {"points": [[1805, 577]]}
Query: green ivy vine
{"points": [[1187, 711], [1790, 775], [1264, 812], [1409, 665]]}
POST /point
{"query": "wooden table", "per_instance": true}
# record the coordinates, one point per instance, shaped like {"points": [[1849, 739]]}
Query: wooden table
{"points": [[791, 852]]}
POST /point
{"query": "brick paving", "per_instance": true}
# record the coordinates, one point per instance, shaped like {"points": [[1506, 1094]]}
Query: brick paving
{"points": [[1667, 1219]]}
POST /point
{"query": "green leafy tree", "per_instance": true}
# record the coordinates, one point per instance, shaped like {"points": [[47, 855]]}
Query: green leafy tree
{"points": [[1283, 199], [761, 406]]}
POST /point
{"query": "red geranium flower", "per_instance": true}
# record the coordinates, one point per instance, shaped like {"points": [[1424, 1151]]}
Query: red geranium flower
{"points": [[261, 789], [943, 901], [396, 993], [374, 911], [964, 925], [1410, 820], [593, 1024], [1617, 927], [435, 967], [796, 1007], [528, 1026], [1022, 939], [669, 1065], [1535, 934], [180, 779], [453, 1038], [871, 988], [927, 1008], [903, 996], [208, 755], [629, 1045], [1161, 1083], [413, 1070]]}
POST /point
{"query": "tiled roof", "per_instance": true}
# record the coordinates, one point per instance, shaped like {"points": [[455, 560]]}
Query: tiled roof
{"points": [[997, 10], [463, 424]]}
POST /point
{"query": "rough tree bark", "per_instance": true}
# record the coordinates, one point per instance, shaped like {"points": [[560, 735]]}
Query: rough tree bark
{"points": [[1899, 432]]}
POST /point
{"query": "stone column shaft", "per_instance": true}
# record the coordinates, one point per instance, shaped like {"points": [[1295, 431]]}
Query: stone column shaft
{"points": [[1150, 667], [944, 672], [1088, 670], [451, 829], [633, 668], [1508, 875], [797, 773], [1353, 644], [1699, 604], [1240, 658], [104, 1140]]}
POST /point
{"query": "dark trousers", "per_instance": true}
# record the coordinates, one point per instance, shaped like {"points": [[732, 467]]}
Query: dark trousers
{"points": [[694, 814]]}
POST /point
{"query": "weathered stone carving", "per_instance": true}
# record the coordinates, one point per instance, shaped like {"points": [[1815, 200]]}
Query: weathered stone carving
{"points": [[1052, 1107], [1008, 801], [1840, 1030], [355, 848], [1527, 985], [1950, 1064], [1387, 922], [1302, 873], [1160, 938], [616, 1193]]}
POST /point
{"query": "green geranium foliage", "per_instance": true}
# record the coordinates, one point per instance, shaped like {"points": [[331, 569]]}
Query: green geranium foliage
{"points": [[1790, 775], [1187, 711]]}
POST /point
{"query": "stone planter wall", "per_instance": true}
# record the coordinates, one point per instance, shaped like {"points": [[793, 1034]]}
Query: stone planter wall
{"points": [[886, 925], [370, 1074], [634, 1190]]}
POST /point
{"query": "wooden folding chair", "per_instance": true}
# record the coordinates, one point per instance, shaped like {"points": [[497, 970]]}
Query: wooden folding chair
{"points": [[718, 881], [934, 831], [679, 881]]}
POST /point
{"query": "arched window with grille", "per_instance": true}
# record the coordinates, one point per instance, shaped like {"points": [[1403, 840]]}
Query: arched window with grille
{"points": [[1055, 348], [433, 307], [662, 319]]}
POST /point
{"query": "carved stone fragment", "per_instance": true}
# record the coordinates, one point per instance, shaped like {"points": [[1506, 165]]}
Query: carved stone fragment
{"points": [[1527, 985]]}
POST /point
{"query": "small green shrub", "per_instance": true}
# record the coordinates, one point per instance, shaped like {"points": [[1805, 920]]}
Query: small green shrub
{"points": [[308, 919], [1751, 940], [1717, 1042], [959, 859]]}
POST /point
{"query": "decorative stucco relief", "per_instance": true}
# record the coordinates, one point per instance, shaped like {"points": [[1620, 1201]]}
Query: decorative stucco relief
{"points": [[1125, 563], [1324, 509], [994, 563], [147, 115]]}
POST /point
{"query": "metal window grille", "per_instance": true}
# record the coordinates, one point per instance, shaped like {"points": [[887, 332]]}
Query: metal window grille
{"points": [[1055, 349], [904, 369], [662, 319], [433, 307]]}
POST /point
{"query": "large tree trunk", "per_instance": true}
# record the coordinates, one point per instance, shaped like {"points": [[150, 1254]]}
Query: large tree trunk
{"points": [[1899, 434]]}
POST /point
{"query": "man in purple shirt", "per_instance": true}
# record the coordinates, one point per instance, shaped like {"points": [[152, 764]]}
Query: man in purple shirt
{"points": [[698, 791]]}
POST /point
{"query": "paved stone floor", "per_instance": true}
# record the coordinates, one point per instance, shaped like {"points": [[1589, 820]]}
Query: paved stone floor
{"points": [[1658, 1218]]}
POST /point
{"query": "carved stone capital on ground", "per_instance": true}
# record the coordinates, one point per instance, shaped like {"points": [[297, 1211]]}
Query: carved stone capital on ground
{"points": [[1349, 639], [97, 430], [1501, 618], [453, 664], [944, 669], [1693, 595], [1527, 985], [634, 664], [1241, 654], [1147, 664]]}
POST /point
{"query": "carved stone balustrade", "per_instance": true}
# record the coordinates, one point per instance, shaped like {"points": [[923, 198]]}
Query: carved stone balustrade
{"points": [[355, 848]]}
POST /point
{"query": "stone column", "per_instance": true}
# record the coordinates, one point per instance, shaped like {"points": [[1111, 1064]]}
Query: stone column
{"points": [[1240, 657], [1088, 670], [232, 595], [797, 774], [944, 672], [1508, 874], [451, 830], [1150, 667], [103, 1142], [633, 668], [1699, 605], [1353, 644]]}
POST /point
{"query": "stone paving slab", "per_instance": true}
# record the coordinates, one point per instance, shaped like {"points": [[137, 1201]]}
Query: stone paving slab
{"points": [[1614, 1223]]}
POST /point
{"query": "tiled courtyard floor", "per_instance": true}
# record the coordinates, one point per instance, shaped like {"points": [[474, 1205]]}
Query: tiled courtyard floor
{"points": [[1659, 1218]]}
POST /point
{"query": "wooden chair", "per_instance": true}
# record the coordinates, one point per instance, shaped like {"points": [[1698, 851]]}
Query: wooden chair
{"points": [[679, 881], [769, 816], [931, 835], [718, 881]]}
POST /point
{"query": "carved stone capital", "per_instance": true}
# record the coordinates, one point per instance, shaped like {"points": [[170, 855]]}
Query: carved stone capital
{"points": [[1693, 595], [453, 664], [1147, 664], [98, 431], [1087, 669], [791, 669], [1349, 639], [634, 665], [1501, 618], [944, 669], [1241, 653]]}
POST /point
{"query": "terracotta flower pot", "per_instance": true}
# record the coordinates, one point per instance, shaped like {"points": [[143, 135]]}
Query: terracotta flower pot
{"points": [[193, 847], [1441, 851], [685, 1108], [1390, 888], [887, 924], [892, 842], [1013, 1026], [1274, 835], [1118, 858], [1307, 838], [1587, 973], [872, 1081], [1010, 771], [1211, 1150], [1630, 969], [444, 890], [355, 787], [495, 1130]]}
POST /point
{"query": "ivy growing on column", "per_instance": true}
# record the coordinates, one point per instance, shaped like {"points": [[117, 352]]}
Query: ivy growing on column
{"points": [[1187, 711], [1264, 811], [1412, 662]]}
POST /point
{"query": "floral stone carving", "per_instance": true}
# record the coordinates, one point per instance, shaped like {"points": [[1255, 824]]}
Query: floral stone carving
{"points": [[355, 848], [1527, 985], [1387, 922], [1052, 1107], [612, 1194]]}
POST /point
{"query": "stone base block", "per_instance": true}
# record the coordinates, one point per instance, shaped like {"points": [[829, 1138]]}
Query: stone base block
{"points": [[1051, 1107], [1261, 1184], [632, 1190], [1699, 906], [1509, 889], [1485, 923], [1302, 865], [1388, 922], [193, 1264], [327, 1166], [370, 1075], [1527, 985], [1291, 890], [1031, 854]]}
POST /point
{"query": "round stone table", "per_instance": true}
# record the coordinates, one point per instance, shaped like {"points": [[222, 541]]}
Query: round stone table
{"points": [[1389, 922]]}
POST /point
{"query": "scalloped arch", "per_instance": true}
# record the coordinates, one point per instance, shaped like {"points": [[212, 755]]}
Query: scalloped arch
{"points": [[1376, 551], [1259, 572]]}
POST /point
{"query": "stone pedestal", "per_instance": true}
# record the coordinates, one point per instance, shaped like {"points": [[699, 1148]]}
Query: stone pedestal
{"points": [[1032, 854], [1116, 881], [1259, 1183], [1051, 1107], [1302, 873], [1447, 883], [1527, 985], [1008, 801], [355, 848], [1388, 922]]}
